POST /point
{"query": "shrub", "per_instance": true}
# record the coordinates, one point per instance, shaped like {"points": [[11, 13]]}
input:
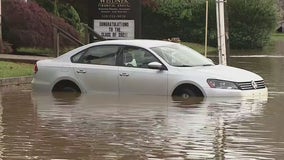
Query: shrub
{"points": [[252, 27], [179, 18], [46, 4], [251, 22], [68, 12], [63, 10], [158, 26], [29, 25]]}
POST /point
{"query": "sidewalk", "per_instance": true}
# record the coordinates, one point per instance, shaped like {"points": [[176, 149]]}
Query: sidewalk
{"points": [[21, 58]]}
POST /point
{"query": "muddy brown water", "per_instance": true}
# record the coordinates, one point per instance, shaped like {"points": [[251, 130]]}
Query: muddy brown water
{"points": [[111, 127]]}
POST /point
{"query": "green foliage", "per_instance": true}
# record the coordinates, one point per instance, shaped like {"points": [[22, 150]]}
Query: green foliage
{"points": [[175, 9], [200, 48], [34, 51], [180, 18], [68, 12], [63, 10], [55, 8], [251, 22], [194, 29], [46, 4], [159, 26]]}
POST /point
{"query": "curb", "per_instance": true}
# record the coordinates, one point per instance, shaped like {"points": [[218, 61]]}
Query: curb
{"points": [[30, 61], [22, 58], [15, 81]]}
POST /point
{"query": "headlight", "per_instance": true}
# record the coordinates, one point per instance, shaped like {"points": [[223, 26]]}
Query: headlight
{"points": [[221, 84]]}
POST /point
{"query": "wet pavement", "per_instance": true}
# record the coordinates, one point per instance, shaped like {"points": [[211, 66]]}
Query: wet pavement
{"points": [[111, 127]]}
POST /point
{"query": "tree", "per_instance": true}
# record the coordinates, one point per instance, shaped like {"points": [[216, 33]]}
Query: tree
{"points": [[64, 10], [251, 22], [179, 18], [29, 25]]}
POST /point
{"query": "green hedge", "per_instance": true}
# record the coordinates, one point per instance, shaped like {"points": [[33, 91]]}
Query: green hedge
{"points": [[179, 18], [251, 22]]}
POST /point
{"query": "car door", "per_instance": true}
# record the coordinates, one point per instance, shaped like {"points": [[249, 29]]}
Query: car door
{"points": [[96, 69], [136, 78]]}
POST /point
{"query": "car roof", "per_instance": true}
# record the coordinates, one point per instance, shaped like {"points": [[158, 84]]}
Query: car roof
{"points": [[144, 43]]}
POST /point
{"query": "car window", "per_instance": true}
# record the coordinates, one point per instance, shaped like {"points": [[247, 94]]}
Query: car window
{"points": [[137, 57], [181, 56], [100, 55], [75, 58]]}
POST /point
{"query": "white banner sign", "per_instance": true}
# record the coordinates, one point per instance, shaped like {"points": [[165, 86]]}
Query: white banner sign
{"points": [[115, 29]]}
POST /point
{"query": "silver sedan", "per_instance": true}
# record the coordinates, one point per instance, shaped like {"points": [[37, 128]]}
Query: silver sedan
{"points": [[144, 67]]}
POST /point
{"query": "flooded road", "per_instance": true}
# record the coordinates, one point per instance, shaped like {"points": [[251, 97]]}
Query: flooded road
{"points": [[60, 126]]}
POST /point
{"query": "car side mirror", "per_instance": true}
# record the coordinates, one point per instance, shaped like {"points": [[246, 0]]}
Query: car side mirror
{"points": [[155, 65]]}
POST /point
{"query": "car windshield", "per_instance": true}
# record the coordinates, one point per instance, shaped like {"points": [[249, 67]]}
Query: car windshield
{"points": [[181, 56]]}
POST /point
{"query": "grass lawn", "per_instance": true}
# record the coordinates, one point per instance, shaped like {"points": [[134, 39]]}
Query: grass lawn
{"points": [[10, 69], [40, 51], [34, 51], [277, 37], [200, 48]]}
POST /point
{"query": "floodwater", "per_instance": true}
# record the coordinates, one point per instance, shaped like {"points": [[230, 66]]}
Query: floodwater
{"points": [[111, 127]]}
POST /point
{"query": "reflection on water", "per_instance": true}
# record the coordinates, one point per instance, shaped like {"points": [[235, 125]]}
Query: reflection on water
{"points": [[70, 126]]}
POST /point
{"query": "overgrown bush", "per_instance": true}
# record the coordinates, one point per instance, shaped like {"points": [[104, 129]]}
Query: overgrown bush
{"points": [[46, 4], [68, 12], [157, 26], [194, 28], [63, 10], [29, 25], [251, 22], [179, 18]]}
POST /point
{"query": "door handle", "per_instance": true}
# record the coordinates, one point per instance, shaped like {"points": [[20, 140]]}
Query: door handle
{"points": [[124, 74], [81, 71]]}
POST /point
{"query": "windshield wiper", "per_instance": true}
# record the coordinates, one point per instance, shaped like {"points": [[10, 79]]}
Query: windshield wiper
{"points": [[193, 65]]}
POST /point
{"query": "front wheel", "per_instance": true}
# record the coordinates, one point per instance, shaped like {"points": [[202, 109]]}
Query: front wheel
{"points": [[187, 93]]}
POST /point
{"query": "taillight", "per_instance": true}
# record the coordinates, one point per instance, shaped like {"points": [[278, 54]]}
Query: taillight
{"points": [[35, 69]]}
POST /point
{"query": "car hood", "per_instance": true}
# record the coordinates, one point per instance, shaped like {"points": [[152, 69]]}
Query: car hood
{"points": [[224, 73]]}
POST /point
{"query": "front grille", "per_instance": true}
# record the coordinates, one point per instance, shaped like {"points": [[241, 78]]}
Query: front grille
{"points": [[251, 85]]}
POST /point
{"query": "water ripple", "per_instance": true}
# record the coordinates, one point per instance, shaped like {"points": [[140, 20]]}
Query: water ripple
{"points": [[35, 126]]}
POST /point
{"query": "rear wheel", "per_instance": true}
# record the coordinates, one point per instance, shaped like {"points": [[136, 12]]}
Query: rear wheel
{"points": [[69, 89], [66, 86]]}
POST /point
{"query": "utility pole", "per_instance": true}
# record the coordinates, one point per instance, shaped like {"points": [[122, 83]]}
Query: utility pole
{"points": [[1, 38], [221, 31]]}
